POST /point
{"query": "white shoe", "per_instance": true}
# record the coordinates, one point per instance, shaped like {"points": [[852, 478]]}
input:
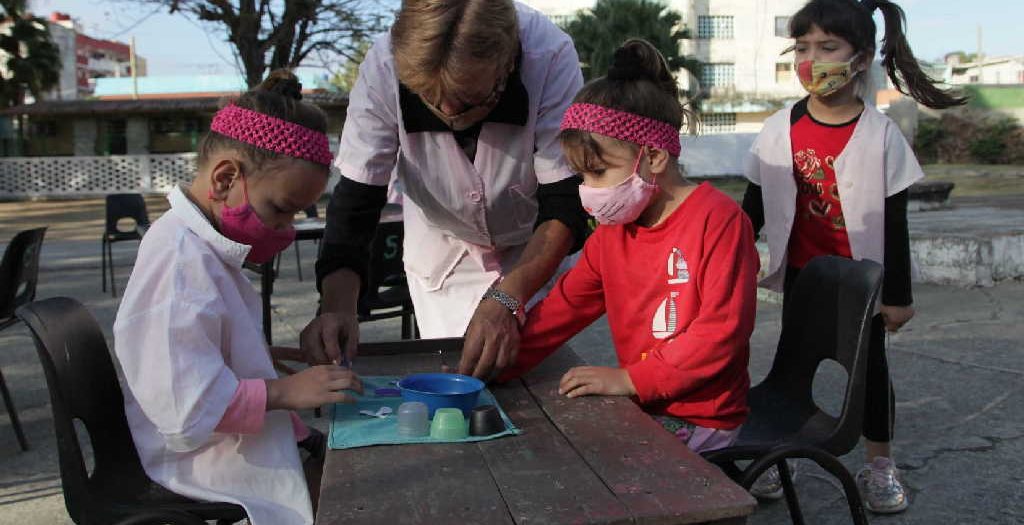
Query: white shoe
{"points": [[769, 484], [880, 487]]}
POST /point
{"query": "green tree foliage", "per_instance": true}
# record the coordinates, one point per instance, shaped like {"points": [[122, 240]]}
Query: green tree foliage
{"points": [[31, 57], [346, 78], [599, 31]]}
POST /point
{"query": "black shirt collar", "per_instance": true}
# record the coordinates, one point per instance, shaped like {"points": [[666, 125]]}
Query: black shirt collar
{"points": [[513, 107]]}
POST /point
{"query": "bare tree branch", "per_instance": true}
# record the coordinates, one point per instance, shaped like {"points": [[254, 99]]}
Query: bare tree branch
{"points": [[284, 33]]}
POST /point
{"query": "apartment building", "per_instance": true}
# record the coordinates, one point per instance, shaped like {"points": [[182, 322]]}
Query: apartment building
{"points": [[745, 77]]}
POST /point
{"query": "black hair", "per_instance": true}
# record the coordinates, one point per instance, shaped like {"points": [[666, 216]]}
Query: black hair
{"points": [[851, 20], [280, 95], [638, 81]]}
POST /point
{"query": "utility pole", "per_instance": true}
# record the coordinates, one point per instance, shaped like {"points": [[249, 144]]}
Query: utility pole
{"points": [[132, 63], [980, 58]]}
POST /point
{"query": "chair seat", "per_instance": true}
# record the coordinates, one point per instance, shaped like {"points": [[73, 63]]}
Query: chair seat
{"points": [[122, 236], [775, 417], [156, 497], [394, 297]]}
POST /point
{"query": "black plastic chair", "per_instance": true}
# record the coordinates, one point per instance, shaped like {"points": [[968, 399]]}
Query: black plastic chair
{"points": [[19, 274], [121, 206], [311, 213], [827, 316], [83, 385], [387, 293]]}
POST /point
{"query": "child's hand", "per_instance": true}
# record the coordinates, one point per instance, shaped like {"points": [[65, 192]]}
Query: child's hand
{"points": [[312, 387], [596, 380], [895, 317]]}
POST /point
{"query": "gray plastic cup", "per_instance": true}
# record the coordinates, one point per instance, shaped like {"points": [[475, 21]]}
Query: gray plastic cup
{"points": [[412, 419]]}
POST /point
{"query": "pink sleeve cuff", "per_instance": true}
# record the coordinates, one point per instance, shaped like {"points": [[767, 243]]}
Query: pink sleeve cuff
{"points": [[298, 427], [247, 409]]}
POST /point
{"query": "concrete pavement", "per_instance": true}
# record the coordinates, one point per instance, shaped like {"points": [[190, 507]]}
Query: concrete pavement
{"points": [[958, 369]]}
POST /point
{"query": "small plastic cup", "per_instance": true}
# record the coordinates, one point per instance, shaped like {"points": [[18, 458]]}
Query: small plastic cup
{"points": [[412, 419], [485, 420], [449, 424]]}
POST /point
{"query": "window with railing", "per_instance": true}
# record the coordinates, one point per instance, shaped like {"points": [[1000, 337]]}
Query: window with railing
{"points": [[717, 123], [717, 75], [783, 73], [714, 27], [782, 26]]}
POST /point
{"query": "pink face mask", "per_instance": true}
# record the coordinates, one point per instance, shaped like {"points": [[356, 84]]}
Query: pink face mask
{"points": [[622, 203], [243, 225]]}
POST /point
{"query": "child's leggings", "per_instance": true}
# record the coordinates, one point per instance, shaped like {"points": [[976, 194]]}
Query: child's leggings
{"points": [[879, 401]]}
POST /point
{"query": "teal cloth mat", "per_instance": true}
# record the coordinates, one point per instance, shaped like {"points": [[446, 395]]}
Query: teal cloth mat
{"points": [[350, 429]]}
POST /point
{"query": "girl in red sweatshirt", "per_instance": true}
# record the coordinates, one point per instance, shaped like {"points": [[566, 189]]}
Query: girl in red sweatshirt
{"points": [[672, 264]]}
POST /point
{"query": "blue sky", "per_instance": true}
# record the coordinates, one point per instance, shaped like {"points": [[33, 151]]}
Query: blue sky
{"points": [[174, 46]]}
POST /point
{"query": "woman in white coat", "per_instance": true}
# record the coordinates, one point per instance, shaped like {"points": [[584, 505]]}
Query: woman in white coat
{"points": [[461, 101]]}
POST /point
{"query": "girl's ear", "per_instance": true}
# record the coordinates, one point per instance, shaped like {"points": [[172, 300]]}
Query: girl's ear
{"points": [[659, 160], [224, 172], [864, 60]]}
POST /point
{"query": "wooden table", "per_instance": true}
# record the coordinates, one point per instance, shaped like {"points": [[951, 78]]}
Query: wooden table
{"points": [[587, 460]]}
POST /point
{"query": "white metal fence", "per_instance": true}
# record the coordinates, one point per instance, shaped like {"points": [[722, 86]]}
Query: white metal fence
{"points": [[26, 177]]}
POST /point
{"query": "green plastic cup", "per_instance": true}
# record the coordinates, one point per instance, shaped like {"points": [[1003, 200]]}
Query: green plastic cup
{"points": [[449, 424]]}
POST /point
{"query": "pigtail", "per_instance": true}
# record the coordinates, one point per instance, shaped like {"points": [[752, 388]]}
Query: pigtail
{"points": [[901, 65]]}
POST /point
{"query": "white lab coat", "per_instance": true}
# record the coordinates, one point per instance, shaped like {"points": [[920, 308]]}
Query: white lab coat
{"points": [[188, 329], [876, 163], [462, 217]]}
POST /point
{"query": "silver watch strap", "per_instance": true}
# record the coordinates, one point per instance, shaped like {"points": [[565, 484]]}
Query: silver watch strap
{"points": [[505, 299]]}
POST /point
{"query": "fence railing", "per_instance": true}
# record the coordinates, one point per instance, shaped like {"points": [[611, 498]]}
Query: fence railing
{"points": [[71, 177], [26, 177]]}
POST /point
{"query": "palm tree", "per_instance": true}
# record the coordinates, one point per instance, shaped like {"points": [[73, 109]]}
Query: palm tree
{"points": [[599, 31], [32, 58]]}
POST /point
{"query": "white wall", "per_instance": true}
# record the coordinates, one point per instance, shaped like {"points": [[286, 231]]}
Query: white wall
{"points": [[754, 48], [715, 155], [67, 89], [1008, 72]]}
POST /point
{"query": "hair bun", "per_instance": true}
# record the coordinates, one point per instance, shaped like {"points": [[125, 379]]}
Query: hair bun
{"points": [[628, 64], [283, 82]]}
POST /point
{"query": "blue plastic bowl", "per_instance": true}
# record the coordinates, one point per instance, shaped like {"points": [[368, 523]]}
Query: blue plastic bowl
{"points": [[442, 391]]}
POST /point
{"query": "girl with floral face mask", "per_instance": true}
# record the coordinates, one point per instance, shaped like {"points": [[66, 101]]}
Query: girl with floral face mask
{"points": [[829, 176], [206, 409], [672, 264]]}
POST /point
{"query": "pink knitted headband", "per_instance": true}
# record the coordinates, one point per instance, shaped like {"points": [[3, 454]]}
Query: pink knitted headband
{"points": [[621, 125], [272, 134]]}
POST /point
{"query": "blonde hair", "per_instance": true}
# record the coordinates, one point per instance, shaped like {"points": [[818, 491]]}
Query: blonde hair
{"points": [[440, 45]]}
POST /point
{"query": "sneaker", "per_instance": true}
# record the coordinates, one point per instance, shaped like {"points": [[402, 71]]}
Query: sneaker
{"points": [[769, 484], [880, 487]]}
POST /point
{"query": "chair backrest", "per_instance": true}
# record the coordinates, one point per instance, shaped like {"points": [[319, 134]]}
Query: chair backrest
{"points": [[126, 205], [827, 315], [83, 385], [19, 270], [386, 255]]}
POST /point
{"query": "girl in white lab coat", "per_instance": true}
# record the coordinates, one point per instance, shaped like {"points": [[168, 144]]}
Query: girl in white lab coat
{"points": [[209, 416], [829, 176]]}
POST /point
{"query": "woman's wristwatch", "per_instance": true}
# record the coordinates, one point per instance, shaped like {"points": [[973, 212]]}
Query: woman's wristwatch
{"points": [[509, 302]]}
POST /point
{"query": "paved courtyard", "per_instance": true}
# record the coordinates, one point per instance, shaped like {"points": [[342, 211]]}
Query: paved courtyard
{"points": [[958, 369]]}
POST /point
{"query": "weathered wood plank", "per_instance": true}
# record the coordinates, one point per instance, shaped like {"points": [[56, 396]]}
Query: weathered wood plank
{"points": [[656, 477], [542, 478]]}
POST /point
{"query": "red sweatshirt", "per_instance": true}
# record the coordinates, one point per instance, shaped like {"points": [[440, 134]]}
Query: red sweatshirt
{"points": [[680, 299]]}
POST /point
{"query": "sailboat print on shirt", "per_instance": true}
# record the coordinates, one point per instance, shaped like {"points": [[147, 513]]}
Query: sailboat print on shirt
{"points": [[678, 270], [664, 323]]}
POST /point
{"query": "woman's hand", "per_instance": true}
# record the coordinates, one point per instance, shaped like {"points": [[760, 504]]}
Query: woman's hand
{"points": [[312, 388], [596, 381], [896, 316], [331, 338], [492, 341]]}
